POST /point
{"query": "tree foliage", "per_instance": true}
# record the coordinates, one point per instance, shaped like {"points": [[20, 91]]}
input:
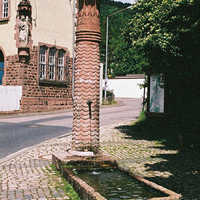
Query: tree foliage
{"points": [[122, 57], [167, 31]]}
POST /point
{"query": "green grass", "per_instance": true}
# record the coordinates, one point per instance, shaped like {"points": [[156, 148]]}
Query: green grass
{"points": [[142, 117], [106, 102], [65, 186]]}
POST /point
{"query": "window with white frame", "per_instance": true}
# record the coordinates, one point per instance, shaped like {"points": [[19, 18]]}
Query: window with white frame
{"points": [[61, 65], [42, 62], [4, 9], [52, 64]]}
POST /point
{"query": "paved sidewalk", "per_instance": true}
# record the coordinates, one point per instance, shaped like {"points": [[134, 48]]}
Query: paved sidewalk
{"points": [[131, 154], [28, 175], [154, 159]]}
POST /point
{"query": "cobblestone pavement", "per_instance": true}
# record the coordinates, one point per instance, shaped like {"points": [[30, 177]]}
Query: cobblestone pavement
{"points": [[134, 154], [28, 174], [153, 159]]}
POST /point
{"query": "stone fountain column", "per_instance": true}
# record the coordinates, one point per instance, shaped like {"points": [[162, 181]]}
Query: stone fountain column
{"points": [[86, 104]]}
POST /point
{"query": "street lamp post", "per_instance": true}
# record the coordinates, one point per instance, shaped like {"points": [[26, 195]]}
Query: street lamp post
{"points": [[106, 66], [107, 33]]}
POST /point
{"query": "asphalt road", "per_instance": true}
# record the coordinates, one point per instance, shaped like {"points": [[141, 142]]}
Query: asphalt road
{"points": [[18, 132]]}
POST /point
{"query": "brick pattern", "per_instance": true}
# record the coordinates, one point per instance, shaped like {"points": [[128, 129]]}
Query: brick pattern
{"points": [[36, 97], [13, 72], [87, 80], [28, 175]]}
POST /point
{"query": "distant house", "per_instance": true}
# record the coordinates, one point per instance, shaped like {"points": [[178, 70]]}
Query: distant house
{"points": [[35, 54]]}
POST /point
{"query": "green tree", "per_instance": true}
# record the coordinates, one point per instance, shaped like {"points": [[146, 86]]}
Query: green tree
{"points": [[122, 58], [167, 33]]}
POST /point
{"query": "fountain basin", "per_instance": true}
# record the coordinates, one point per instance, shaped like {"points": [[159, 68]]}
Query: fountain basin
{"points": [[89, 175]]}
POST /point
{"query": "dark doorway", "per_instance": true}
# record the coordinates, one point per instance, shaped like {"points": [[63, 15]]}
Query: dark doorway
{"points": [[1, 66]]}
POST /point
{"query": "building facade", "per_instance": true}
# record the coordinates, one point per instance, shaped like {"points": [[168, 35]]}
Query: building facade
{"points": [[36, 53]]}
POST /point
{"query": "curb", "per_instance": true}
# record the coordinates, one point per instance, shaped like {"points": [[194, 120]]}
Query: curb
{"points": [[26, 114], [14, 114], [14, 155]]}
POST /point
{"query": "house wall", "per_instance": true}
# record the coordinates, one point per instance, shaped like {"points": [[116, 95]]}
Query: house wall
{"points": [[13, 73], [35, 95], [52, 24], [126, 88], [7, 32]]}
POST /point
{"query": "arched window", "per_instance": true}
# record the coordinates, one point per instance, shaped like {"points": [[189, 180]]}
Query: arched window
{"points": [[1, 66]]}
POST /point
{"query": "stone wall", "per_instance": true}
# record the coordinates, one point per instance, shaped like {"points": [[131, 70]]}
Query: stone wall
{"points": [[37, 95], [13, 72]]}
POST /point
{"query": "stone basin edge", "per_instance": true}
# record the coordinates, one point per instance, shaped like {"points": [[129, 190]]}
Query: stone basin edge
{"points": [[86, 192]]}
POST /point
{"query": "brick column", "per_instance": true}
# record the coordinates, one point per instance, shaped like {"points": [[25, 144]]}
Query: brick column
{"points": [[87, 78]]}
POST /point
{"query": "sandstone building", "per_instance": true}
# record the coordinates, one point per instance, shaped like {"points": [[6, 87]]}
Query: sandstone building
{"points": [[36, 54]]}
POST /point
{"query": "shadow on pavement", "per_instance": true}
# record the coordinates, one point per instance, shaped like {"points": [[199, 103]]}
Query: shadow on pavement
{"points": [[184, 166]]}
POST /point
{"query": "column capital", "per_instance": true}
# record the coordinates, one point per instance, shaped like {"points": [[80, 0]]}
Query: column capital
{"points": [[88, 21]]}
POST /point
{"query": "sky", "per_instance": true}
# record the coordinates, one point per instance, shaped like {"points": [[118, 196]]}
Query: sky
{"points": [[126, 1]]}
